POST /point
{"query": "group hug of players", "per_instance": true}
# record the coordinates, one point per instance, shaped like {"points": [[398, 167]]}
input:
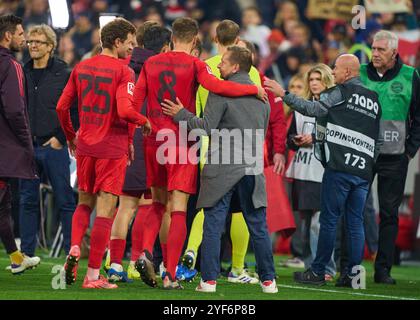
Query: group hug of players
{"points": [[109, 103]]}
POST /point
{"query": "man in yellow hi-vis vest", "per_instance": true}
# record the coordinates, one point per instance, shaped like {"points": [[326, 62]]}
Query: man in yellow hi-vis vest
{"points": [[227, 34]]}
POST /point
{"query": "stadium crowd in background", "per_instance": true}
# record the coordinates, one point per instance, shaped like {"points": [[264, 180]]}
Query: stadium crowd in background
{"points": [[287, 45], [288, 40]]}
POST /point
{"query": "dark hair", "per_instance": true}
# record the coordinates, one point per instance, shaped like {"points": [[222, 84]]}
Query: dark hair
{"points": [[142, 29], [156, 37], [199, 47], [227, 31], [185, 29], [8, 24], [241, 56], [250, 46], [116, 29]]}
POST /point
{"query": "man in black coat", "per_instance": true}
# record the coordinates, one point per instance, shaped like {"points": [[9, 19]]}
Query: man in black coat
{"points": [[46, 78], [16, 151]]}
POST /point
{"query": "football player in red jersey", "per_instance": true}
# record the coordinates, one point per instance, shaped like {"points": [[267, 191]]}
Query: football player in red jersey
{"points": [[104, 88], [167, 76]]}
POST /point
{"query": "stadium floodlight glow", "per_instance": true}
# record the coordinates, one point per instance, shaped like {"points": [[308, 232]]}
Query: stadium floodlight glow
{"points": [[105, 18], [59, 14]]}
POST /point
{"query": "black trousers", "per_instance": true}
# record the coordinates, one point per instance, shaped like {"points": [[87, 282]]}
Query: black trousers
{"points": [[391, 171], [6, 229]]}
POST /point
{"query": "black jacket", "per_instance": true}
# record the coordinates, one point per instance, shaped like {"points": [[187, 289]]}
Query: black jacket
{"points": [[16, 150], [412, 143], [42, 99]]}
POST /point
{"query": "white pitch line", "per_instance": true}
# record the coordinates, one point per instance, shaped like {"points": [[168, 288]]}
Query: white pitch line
{"points": [[345, 292]]}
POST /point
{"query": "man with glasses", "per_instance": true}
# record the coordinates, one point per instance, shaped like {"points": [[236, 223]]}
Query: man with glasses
{"points": [[46, 78]]}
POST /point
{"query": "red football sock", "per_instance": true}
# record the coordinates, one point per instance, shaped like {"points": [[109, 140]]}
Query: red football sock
{"points": [[99, 239], [108, 246], [117, 248], [137, 231], [164, 247], [176, 239], [80, 223], [153, 222]]}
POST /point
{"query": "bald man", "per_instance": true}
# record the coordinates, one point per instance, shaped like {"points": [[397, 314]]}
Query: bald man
{"points": [[346, 143]]}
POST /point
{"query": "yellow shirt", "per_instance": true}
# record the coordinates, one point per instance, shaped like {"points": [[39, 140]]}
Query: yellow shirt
{"points": [[203, 94]]}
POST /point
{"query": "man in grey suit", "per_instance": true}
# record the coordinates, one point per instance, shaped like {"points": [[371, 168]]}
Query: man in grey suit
{"points": [[234, 168]]}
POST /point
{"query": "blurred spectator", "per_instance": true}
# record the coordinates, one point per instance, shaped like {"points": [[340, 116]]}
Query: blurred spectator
{"points": [[296, 86], [254, 31], [174, 10], [81, 33], [287, 11], [98, 7], [337, 43], [36, 12], [9, 6], [193, 10], [154, 15], [277, 44], [267, 12], [136, 10], [220, 9], [66, 50]]}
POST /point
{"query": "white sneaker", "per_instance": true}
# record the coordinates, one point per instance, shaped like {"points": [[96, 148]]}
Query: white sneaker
{"points": [[27, 263], [293, 263], [206, 286], [162, 270], [269, 286], [244, 277]]}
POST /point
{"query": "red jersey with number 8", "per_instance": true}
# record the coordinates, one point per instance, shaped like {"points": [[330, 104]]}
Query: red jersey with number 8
{"points": [[177, 74], [104, 88]]}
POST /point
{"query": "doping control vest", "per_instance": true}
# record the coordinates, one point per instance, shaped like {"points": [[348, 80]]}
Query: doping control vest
{"points": [[347, 136]]}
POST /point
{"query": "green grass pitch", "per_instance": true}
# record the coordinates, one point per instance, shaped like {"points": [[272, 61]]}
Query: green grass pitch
{"points": [[37, 284]]}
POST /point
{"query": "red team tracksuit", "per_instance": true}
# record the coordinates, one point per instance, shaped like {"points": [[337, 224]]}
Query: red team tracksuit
{"points": [[104, 89], [167, 76]]}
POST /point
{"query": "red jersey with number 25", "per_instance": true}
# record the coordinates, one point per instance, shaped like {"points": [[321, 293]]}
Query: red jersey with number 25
{"points": [[177, 74], [104, 88]]}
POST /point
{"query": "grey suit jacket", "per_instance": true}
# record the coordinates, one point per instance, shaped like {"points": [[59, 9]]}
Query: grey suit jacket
{"points": [[237, 128]]}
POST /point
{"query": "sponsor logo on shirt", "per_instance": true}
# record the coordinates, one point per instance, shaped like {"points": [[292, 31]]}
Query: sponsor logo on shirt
{"points": [[209, 70], [130, 88]]}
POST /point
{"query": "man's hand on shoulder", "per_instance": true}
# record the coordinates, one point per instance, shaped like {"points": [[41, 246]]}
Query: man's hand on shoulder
{"points": [[262, 95], [171, 108]]}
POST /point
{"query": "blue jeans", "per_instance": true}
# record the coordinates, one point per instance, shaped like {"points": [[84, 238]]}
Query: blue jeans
{"points": [[55, 164], [341, 192], [214, 222], [312, 231]]}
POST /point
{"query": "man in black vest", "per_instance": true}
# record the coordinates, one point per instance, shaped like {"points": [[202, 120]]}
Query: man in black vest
{"points": [[348, 118]]}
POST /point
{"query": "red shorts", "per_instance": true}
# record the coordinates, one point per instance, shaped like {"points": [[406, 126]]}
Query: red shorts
{"points": [[95, 174], [173, 175]]}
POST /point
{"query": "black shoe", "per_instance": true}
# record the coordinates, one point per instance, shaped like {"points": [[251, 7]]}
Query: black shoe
{"points": [[384, 278], [344, 282], [188, 261], [144, 266], [309, 277]]}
